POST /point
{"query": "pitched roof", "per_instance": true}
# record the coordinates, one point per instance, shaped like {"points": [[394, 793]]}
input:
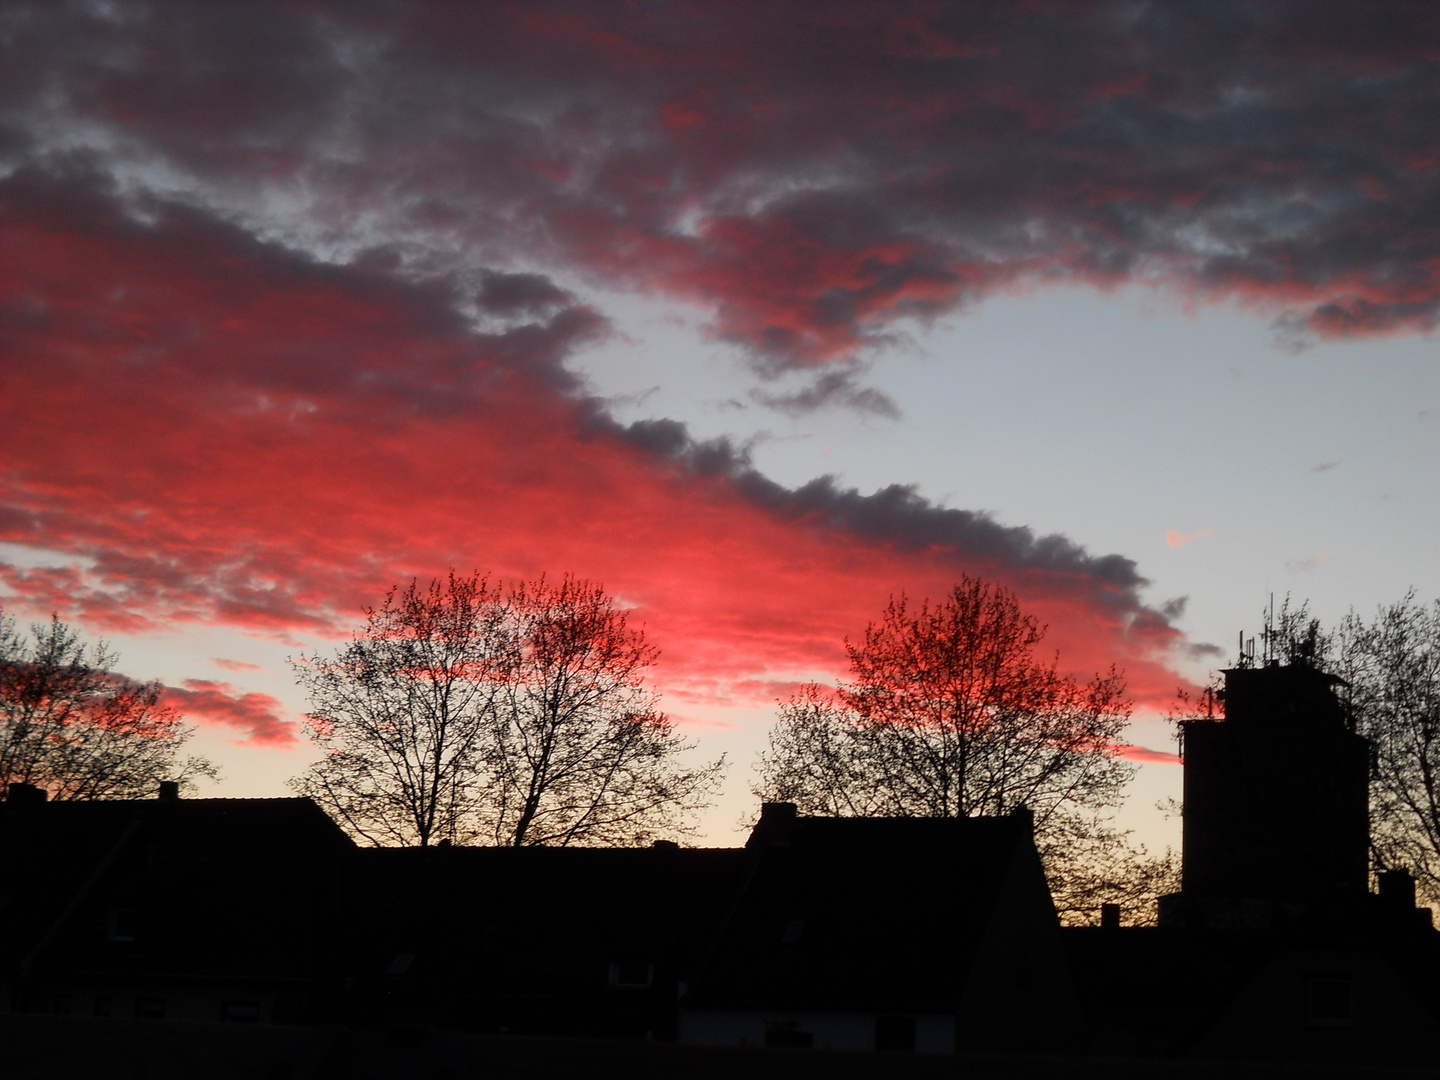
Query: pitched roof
{"points": [[859, 914], [211, 885]]}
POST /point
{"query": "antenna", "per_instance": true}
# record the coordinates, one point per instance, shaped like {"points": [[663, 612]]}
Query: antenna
{"points": [[1270, 630]]}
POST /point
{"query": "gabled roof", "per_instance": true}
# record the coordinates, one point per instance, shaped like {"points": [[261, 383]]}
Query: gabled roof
{"points": [[209, 885], [858, 914]]}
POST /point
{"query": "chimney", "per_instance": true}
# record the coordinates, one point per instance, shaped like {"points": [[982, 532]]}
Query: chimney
{"points": [[776, 825], [1025, 818], [1397, 890], [169, 790], [1110, 916], [26, 795]]}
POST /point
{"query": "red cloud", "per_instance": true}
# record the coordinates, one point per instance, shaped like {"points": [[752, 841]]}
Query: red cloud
{"points": [[1141, 754], [260, 716], [210, 429]]}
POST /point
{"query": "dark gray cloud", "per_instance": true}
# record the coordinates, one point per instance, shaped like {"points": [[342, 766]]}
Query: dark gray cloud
{"points": [[520, 294], [829, 389], [809, 173], [897, 515], [418, 354]]}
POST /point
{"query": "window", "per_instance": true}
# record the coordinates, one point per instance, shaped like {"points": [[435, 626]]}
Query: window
{"points": [[793, 929], [401, 964], [122, 924], [631, 974], [150, 1008], [1331, 1001], [895, 1033], [240, 1012], [102, 1004], [787, 1033]]}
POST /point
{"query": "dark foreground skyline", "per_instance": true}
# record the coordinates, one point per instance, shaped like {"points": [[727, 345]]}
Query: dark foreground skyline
{"points": [[855, 938]]}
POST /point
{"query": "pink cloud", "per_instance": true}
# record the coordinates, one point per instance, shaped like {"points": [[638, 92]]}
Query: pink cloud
{"points": [[1179, 540], [260, 716], [234, 665], [1142, 754], [191, 469]]}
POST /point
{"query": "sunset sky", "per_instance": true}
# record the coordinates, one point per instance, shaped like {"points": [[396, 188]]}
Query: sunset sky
{"points": [[754, 313]]}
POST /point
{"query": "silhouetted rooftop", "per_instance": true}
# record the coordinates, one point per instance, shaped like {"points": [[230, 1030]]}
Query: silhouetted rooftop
{"points": [[860, 913], [202, 884]]}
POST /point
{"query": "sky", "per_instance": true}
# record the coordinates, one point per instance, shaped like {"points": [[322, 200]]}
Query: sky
{"points": [[757, 314]]}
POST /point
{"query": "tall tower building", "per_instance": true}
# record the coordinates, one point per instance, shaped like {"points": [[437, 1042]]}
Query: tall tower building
{"points": [[1276, 821]]}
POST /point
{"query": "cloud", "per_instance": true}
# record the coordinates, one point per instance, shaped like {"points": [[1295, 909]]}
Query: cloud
{"points": [[1141, 754], [1326, 466], [894, 515], [520, 294], [234, 665], [1179, 540], [290, 290], [812, 176], [217, 429], [829, 389], [752, 693], [259, 716], [1296, 565]]}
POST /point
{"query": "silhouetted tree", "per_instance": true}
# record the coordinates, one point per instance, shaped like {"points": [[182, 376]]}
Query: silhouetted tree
{"points": [[72, 726], [1089, 863], [1392, 665], [580, 751], [404, 713], [468, 711], [949, 712]]}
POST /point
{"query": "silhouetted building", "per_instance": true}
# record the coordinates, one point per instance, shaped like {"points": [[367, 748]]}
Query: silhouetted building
{"points": [[582, 942], [197, 909], [885, 934], [1274, 949], [1276, 822], [854, 933], [1355, 996]]}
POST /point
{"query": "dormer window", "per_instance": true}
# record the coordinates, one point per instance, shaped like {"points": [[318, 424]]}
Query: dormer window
{"points": [[240, 1012], [631, 974]]}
